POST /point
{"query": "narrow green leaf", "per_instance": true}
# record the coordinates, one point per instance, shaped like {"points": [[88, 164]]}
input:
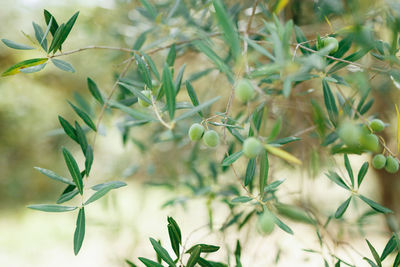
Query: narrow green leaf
{"points": [[334, 177], [136, 92], [69, 193], [374, 253], [250, 171], [54, 24], [241, 199], [66, 30], [80, 134], [143, 71], [283, 226], [39, 35], [375, 205], [342, 208], [259, 48], [272, 186], [238, 252], [171, 56], [112, 184], [176, 228], [232, 158], [46, 32], [151, 10], [349, 169], [54, 176], [285, 140], [300, 38], [194, 257], [197, 109], [227, 27], [178, 80], [276, 128], [88, 159], [330, 102], [63, 65], [192, 95], [174, 240], [169, 90], [14, 45], [68, 128], [94, 90], [140, 40], [362, 172], [57, 36], [131, 264], [84, 116], [73, 169], [100, 193], [152, 65], [162, 252], [132, 112], [219, 63], [204, 248], [264, 169], [150, 263], [51, 208], [79, 234], [33, 68], [23, 65], [353, 57], [390, 246]]}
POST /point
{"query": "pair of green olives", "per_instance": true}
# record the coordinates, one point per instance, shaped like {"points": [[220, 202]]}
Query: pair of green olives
{"points": [[390, 163], [354, 135], [210, 137]]}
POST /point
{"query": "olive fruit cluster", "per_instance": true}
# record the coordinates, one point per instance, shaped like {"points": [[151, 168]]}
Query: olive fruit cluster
{"points": [[390, 163], [210, 137], [357, 136], [330, 43]]}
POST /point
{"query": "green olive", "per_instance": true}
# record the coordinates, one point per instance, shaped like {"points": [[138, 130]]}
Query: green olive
{"points": [[330, 43], [379, 161], [392, 164], [266, 222], [350, 134], [244, 91], [143, 103], [369, 142], [211, 138], [252, 147], [196, 131], [377, 125]]}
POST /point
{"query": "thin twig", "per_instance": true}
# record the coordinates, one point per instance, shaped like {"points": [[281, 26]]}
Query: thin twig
{"points": [[155, 108], [113, 89], [92, 47]]}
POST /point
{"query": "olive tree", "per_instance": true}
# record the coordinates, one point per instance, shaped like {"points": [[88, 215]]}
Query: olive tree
{"points": [[256, 94]]}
